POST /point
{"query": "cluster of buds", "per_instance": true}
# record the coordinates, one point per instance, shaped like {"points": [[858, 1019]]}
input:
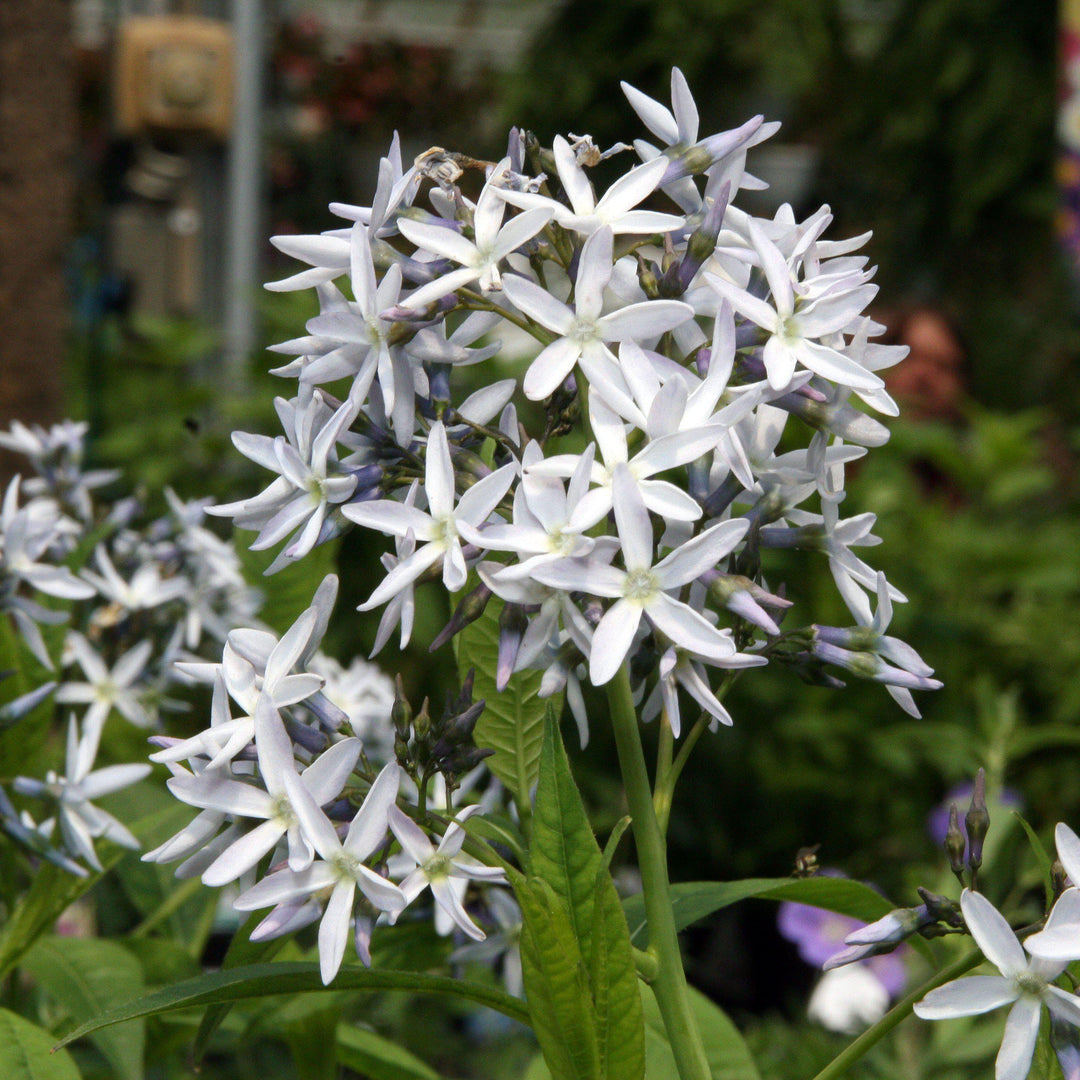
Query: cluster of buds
{"points": [[426, 747]]}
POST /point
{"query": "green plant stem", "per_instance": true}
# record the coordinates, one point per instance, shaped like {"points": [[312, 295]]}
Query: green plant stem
{"points": [[670, 979], [899, 1012], [477, 302]]}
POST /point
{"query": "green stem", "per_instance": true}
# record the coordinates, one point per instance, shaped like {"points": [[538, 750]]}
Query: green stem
{"points": [[670, 980], [899, 1012], [477, 302]]}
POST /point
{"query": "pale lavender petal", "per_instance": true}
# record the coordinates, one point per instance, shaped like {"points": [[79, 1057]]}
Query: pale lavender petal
{"points": [[573, 177], [316, 826], [993, 934], [285, 885], [243, 854], [1018, 1044], [685, 627], [612, 640], [1068, 850], [412, 838], [392, 518], [439, 473], [650, 318], [334, 930], [776, 269], [368, 828], [632, 519], [326, 775], [446, 897], [700, 554], [538, 303], [550, 368], [967, 997]]}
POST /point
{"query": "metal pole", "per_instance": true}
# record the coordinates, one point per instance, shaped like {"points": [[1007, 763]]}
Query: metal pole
{"points": [[244, 188]]}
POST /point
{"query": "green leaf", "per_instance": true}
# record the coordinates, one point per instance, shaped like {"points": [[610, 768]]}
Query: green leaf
{"points": [[26, 1052], [50, 893], [725, 1048], [86, 976], [373, 1056], [1041, 857], [563, 851], [512, 723], [620, 1028], [265, 980], [242, 950], [565, 856], [312, 1040], [557, 984], [694, 900]]}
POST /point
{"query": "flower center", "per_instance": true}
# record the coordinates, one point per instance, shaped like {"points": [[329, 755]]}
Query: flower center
{"points": [[583, 330], [437, 868], [640, 585], [282, 812], [1030, 983], [445, 531], [344, 866]]}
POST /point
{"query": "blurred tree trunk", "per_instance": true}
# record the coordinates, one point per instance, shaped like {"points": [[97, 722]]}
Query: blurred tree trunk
{"points": [[37, 144]]}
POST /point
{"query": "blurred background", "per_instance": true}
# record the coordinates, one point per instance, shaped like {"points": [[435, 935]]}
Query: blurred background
{"points": [[148, 149]]}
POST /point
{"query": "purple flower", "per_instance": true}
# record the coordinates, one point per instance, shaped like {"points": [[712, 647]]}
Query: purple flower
{"points": [[820, 934]]}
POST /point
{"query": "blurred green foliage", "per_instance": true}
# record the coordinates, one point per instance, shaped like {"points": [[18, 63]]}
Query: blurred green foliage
{"points": [[933, 122]]}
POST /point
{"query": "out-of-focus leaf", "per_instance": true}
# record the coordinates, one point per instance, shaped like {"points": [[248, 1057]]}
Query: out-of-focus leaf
{"points": [[26, 1052], [265, 980], [87, 976]]}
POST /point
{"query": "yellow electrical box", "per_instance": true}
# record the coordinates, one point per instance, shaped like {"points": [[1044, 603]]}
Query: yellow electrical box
{"points": [[174, 73]]}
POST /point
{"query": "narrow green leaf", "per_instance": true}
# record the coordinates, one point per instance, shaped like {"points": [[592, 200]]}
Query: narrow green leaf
{"points": [[266, 980], [373, 1056], [512, 723], [564, 855], [563, 851], [242, 950], [613, 840], [694, 900], [620, 1028], [1041, 857], [312, 1041], [557, 985], [26, 1052], [725, 1048], [87, 976]]}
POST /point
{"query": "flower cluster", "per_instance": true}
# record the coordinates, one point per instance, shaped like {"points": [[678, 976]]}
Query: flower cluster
{"points": [[721, 366], [697, 381], [294, 773], [151, 591]]}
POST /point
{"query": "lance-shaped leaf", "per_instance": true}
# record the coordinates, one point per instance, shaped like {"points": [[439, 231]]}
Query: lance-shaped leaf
{"points": [[26, 1052], [266, 980], [557, 985], [565, 856], [512, 723]]}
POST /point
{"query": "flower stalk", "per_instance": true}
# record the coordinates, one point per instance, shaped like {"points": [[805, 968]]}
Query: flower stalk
{"points": [[670, 979]]}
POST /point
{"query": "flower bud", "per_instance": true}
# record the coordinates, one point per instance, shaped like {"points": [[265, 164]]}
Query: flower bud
{"points": [[977, 821], [955, 844], [470, 609], [513, 623], [401, 713], [891, 929], [941, 908]]}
